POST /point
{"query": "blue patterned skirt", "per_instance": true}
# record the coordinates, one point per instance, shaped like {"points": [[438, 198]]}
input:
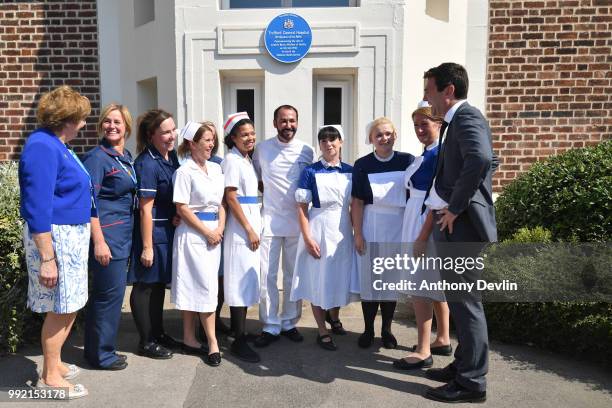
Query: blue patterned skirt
{"points": [[71, 245]]}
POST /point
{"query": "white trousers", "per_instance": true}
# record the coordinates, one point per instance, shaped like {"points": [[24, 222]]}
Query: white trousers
{"points": [[270, 252]]}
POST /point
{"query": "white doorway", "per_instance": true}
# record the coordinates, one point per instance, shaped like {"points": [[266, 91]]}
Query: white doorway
{"points": [[334, 105]]}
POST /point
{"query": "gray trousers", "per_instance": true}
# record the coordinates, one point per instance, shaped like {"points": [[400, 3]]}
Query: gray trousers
{"points": [[472, 354]]}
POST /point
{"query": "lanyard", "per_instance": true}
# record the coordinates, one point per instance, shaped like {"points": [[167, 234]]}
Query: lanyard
{"points": [[131, 172], [76, 158], [91, 189]]}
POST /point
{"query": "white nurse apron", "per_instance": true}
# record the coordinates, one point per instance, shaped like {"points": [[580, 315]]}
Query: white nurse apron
{"points": [[412, 224], [325, 282], [382, 224], [241, 265]]}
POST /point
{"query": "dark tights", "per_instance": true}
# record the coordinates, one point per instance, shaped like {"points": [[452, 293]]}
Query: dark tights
{"points": [[220, 298], [369, 309], [147, 303], [238, 316]]}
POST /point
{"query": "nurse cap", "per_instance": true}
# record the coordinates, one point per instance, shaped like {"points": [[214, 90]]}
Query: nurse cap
{"points": [[337, 127], [232, 120], [189, 130]]}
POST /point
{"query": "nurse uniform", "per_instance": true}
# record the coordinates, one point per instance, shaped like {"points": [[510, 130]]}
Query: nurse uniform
{"points": [[196, 263], [325, 282], [417, 179], [380, 184], [241, 264]]}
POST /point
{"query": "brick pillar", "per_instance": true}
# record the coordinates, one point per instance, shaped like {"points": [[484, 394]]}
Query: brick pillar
{"points": [[549, 77], [44, 45]]}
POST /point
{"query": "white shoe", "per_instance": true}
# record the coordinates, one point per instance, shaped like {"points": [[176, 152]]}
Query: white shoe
{"points": [[73, 372], [77, 390]]}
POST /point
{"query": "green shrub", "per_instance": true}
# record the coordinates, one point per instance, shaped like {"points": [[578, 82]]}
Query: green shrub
{"points": [[581, 329], [569, 194], [527, 235], [16, 321]]}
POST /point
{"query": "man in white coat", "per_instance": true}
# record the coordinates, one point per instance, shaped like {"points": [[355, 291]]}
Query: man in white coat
{"points": [[279, 161]]}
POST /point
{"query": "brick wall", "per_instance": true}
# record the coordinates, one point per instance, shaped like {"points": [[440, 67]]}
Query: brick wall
{"points": [[549, 79], [44, 45]]}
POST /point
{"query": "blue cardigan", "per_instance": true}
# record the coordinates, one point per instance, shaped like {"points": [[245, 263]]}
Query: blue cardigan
{"points": [[54, 187]]}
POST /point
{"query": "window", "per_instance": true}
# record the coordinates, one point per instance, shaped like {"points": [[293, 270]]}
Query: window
{"points": [[332, 106], [239, 4]]}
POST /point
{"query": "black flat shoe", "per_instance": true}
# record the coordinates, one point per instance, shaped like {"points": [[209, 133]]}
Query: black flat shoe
{"points": [[455, 393], [402, 364], [115, 366], [201, 351], [293, 335], [388, 340], [155, 351], [445, 374], [327, 345], [365, 340], [265, 339], [213, 359], [438, 351], [240, 348], [336, 325], [168, 342]]}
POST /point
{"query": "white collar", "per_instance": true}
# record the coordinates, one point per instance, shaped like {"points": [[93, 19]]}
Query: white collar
{"points": [[328, 165], [451, 112], [433, 145], [386, 159], [237, 152]]}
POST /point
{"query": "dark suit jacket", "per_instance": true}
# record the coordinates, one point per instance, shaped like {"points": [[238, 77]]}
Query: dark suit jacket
{"points": [[464, 176]]}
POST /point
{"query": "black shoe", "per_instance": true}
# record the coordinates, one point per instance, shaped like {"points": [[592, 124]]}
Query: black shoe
{"points": [[336, 325], [438, 351], [453, 393], [388, 340], [293, 335], [121, 357], [155, 351], [365, 340], [265, 339], [195, 351], [327, 345], [402, 364], [115, 366], [168, 342], [240, 348], [213, 359], [445, 374]]}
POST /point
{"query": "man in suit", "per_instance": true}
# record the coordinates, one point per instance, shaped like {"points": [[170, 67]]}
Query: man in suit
{"points": [[463, 180]]}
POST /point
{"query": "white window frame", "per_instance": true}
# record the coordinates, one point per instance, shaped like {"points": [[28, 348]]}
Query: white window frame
{"points": [[345, 83]]}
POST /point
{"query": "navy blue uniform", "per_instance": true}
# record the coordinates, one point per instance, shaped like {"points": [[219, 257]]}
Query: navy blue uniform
{"points": [[155, 181], [114, 181]]}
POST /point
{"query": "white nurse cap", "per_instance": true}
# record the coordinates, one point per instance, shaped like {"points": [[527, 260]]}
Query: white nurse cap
{"points": [[337, 127], [189, 130], [232, 120]]}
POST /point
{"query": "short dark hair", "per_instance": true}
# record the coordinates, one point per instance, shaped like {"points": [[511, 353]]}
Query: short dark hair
{"points": [[447, 74], [228, 138], [285, 107], [328, 132]]}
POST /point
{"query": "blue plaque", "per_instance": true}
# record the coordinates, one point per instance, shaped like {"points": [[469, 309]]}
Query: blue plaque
{"points": [[288, 38]]}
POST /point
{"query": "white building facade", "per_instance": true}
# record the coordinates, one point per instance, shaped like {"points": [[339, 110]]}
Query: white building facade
{"points": [[204, 59]]}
